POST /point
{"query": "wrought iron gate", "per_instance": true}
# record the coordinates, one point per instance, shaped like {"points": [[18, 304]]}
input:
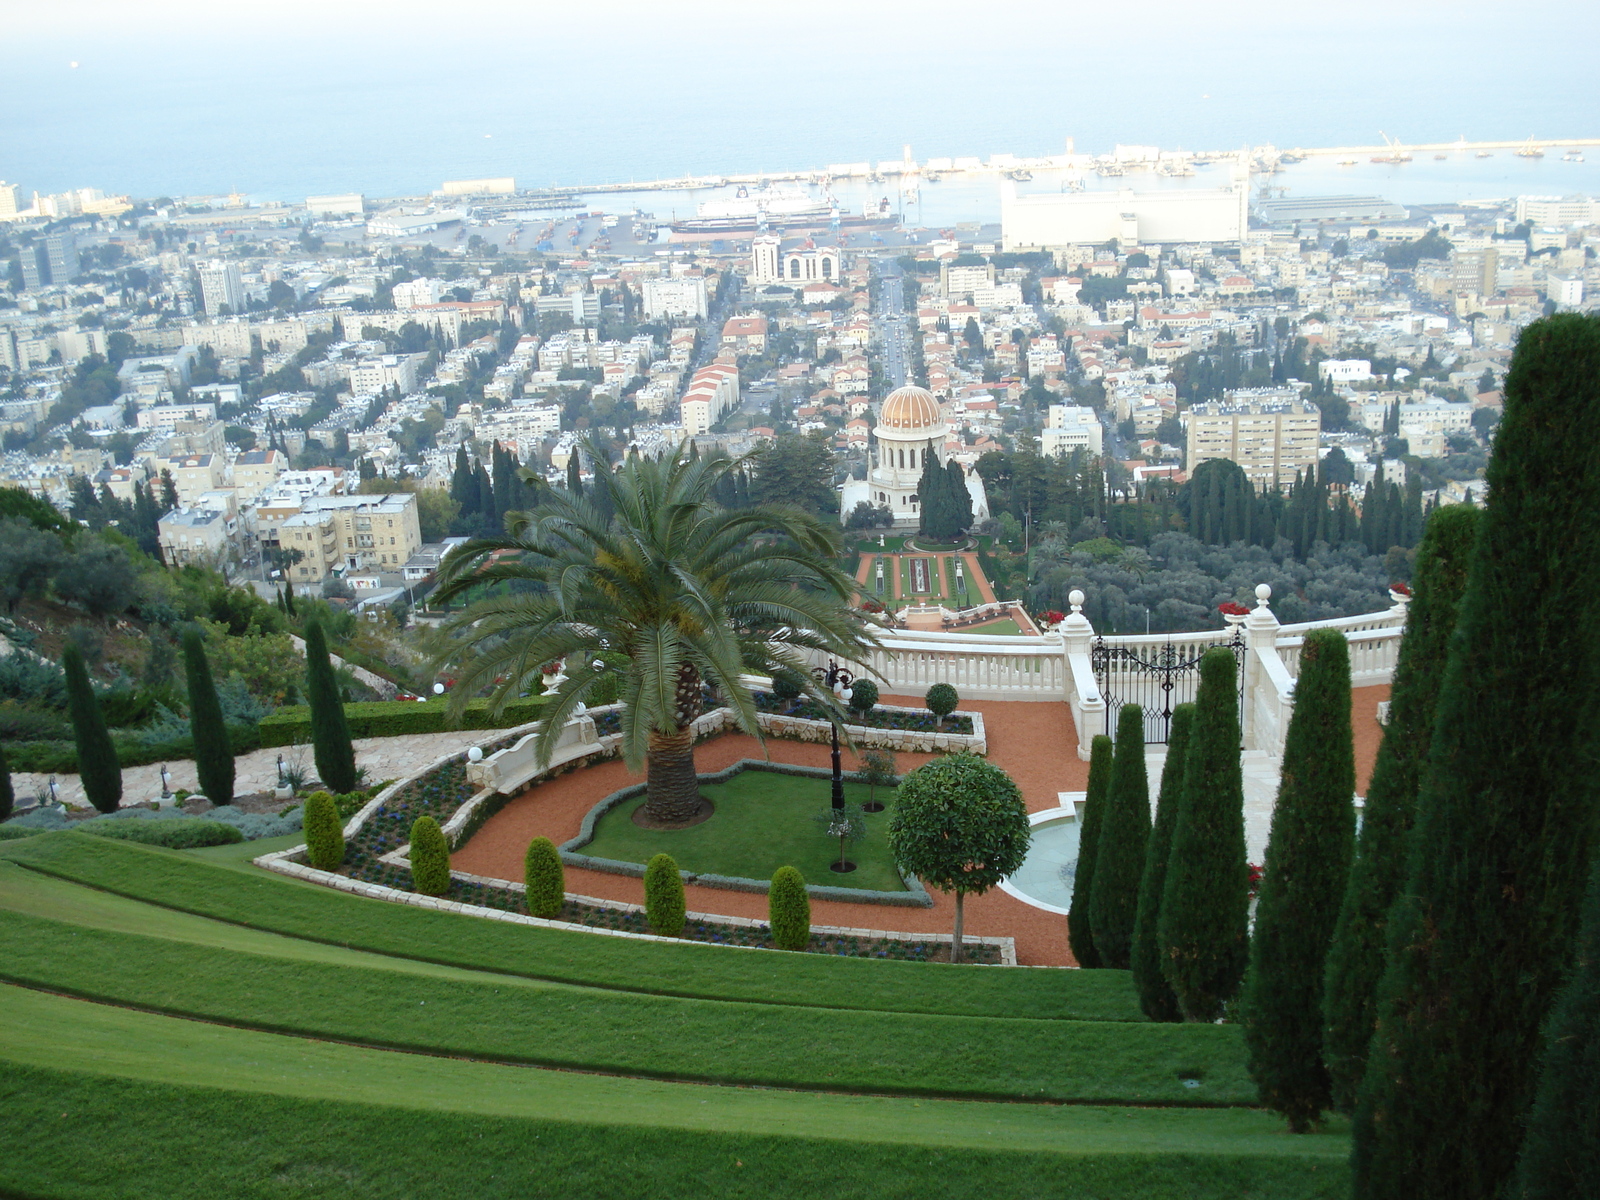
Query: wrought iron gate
{"points": [[1156, 681]]}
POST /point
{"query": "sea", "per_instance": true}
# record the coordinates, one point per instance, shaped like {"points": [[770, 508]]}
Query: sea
{"points": [[297, 99]]}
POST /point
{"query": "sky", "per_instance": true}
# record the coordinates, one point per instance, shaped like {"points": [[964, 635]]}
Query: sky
{"points": [[185, 96]]}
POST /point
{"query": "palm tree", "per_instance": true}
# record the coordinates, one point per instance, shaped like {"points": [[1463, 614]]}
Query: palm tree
{"points": [[672, 593]]}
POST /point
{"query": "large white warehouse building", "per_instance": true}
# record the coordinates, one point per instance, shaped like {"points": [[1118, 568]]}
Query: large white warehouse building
{"points": [[1049, 220]]}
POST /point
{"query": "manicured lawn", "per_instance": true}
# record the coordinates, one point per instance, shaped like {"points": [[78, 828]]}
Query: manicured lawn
{"points": [[215, 883], [763, 821], [1003, 626], [207, 1111], [184, 965]]}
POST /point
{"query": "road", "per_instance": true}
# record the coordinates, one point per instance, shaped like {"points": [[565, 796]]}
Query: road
{"points": [[891, 319]]}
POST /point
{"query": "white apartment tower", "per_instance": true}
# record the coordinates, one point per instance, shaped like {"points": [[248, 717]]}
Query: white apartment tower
{"points": [[1270, 432], [764, 254], [220, 284]]}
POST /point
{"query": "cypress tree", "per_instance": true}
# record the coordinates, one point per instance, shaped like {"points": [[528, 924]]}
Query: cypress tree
{"points": [[430, 857], [1206, 901], [1124, 833], [1080, 930], [1156, 997], [574, 473], [98, 768], [1308, 863], [8, 799], [213, 753], [1485, 923], [545, 878], [330, 732], [959, 499], [1355, 960], [1561, 1152], [288, 593]]}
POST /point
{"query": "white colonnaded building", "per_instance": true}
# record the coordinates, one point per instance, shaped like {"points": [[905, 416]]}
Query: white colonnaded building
{"points": [[910, 429]]}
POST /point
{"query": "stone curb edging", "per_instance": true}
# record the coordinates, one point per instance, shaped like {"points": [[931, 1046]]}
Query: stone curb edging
{"points": [[915, 895], [282, 862]]}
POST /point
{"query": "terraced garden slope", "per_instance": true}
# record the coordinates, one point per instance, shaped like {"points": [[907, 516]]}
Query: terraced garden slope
{"points": [[289, 1084]]}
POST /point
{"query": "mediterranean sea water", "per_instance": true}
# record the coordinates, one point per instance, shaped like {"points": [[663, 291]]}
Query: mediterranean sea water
{"points": [[296, 99]]}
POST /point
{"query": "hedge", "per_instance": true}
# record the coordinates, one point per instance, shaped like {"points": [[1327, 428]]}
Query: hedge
{"points": [[396, 718], [182, 833], [61, 757]]}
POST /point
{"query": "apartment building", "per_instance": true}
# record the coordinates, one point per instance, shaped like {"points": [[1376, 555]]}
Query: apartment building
{"points": [[1070, 427], [194, 475], [255, 471], [675, 298], [713, 392], [351, 533], [372, 375], [221, 286], [1269, 432], [745, 335]]}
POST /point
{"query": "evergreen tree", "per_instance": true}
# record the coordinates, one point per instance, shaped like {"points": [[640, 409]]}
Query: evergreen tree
{"points": [[330, 732], [489, 515], [1308, 862], [8, 798], [288, 594], [1124, 833], [933, 509], [1080, 931], [1485, 923], [1355, 960], [1156, 997], [98, 768], [1206, 901], [574, 473], [958, 498], [1561, 1152], [463, 483], [213, 754]]}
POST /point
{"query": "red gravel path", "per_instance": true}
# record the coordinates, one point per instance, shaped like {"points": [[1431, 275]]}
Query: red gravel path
{"points": [[1035, 742]]}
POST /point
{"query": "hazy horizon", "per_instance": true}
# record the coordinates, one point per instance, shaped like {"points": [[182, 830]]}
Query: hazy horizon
{"points": [[183, 98]]}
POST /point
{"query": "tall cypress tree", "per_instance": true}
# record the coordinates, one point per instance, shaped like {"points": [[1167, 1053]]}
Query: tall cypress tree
{"points": [[1308, 862], [1124, 833], [959, 499], [1080, 933], [1484, 926], [1156, 997], [1205, 906], [98, 768], [330, 732], [574, 472], [1355, 960], [1561, 1152], [213, 753]]}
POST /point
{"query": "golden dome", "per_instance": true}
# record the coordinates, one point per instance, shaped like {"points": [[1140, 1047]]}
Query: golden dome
{"points": [[910, 408]]}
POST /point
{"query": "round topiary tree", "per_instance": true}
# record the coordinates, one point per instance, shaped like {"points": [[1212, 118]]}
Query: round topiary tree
{"points": [[323, 831], [941, 701], [959, 824], [430, 858], [547, 882], [664, 905], [787, 688], [863, 697], [789, 910], [213, 754], [98, 768]]}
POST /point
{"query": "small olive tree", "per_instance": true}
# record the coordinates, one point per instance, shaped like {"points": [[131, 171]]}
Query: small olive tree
{"points": [[960, 825], [877, 770]]}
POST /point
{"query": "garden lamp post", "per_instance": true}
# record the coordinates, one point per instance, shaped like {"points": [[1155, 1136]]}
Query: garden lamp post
{"points": [[837, 680], [283, 780], [166, 783]]}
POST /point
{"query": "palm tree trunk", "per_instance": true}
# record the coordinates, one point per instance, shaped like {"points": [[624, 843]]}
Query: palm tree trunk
{"points": [[672, 788]]}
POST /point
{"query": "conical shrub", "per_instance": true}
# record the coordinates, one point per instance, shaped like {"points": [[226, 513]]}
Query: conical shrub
{"points": [[664, 906], [1206, 901], [1119, 859], [1155, 993], [1483, 929], [789, 910], [1355, 960], [1308, 863], [1080, 932], [430, 858], [545, 878], [99, 770], [323, 830]]}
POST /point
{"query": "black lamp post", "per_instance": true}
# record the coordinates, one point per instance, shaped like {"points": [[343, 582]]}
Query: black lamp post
{"points": [[838, 681]]}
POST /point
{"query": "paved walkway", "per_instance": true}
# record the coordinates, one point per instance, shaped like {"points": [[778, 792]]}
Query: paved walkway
{"points": [[384, 758]]}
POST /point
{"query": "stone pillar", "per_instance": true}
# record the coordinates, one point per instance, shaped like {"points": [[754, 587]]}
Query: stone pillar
{"points": [[1260, 638], [1088, 706]]}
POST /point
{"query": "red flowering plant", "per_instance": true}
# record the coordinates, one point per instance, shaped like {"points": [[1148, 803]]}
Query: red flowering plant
{"points": [[1255, 878], [1400, 589], [553, 667], [1052, 617], [1233, 609], [871, 606]]}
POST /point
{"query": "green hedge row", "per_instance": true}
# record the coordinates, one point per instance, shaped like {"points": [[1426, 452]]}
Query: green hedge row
{"points": [[61, 757], [397, 718]]}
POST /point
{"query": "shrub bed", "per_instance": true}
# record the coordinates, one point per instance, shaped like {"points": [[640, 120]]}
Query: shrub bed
{"points": [[396, 718], [913, 721]]}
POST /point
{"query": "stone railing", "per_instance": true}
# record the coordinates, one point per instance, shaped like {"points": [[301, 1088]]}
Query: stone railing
{"points": [[978, 666]]}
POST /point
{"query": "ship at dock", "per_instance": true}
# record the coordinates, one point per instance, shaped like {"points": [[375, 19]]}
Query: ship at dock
{"points": [[780, 209]]}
